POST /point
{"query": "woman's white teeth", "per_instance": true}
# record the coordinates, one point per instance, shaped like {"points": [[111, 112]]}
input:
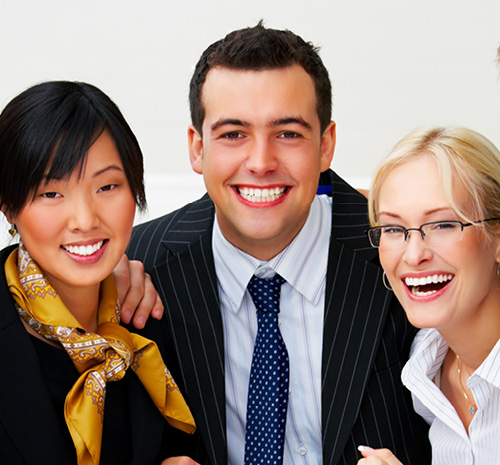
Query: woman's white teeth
{"points": [[415, 291], [253, 194], [434, 279], [84, 250], [415, 283]]}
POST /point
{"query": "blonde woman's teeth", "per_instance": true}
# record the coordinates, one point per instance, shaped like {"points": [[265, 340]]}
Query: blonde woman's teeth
{"points": [[434, 279], [427, 285]]}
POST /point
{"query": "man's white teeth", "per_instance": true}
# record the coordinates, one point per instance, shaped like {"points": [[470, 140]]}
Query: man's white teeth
{"points": [[253, 194], [415, 283], [83, 250]]}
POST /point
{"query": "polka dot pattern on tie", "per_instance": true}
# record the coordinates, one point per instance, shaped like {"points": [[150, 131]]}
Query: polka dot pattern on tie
{"points": [[269, 378]]}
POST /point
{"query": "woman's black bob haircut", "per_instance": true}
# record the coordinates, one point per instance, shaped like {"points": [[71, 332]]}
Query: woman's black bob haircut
{"points": [[46, 132]]}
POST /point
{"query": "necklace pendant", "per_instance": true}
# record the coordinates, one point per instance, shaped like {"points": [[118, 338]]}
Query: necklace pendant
{"points": [[471, 410]]}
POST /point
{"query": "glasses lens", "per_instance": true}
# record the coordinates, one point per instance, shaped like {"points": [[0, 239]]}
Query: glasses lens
{"points": [[387, 236], [374, 237], [439, 232], [442, 232]]}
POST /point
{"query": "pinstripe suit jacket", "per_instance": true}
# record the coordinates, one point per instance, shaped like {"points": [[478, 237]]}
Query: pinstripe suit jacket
{"points": [[366, 336]]}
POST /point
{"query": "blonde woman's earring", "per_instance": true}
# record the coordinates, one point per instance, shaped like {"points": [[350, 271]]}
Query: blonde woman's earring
{"points": [[387, 284], [498, 270], [13, 230]]}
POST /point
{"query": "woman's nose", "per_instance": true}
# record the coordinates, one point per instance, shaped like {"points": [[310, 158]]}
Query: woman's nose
{"points": [[83, 215]]}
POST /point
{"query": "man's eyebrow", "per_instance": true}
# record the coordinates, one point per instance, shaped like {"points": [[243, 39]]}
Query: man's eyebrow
{"points": [[273, 123], [229, 122], [290, 120]]}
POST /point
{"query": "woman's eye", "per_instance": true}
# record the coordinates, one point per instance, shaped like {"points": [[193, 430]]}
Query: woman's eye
{"points": [[106, 188], [391, 230], [445, 225], [50, 195]]}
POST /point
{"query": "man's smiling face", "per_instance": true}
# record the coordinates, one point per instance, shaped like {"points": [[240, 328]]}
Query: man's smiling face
{"points": [[261, 154]]}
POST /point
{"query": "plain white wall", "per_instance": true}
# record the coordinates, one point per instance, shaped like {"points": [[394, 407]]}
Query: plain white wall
{"points": [[394, 64]]}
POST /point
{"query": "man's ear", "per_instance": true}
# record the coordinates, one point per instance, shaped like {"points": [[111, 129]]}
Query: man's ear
{"points": [[195, 143], [328, 140]]}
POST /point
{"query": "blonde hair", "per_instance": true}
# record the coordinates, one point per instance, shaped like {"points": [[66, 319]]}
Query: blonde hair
{"points": [[464, 158]]}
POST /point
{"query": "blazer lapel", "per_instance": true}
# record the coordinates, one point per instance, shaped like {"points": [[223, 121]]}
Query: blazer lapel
{"points": [[355, 308], [146, 424], [188, 286], [26, 411], [356, 305]]}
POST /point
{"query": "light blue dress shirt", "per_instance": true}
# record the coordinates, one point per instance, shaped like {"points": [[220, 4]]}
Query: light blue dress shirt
{"points": [[303, 264]]}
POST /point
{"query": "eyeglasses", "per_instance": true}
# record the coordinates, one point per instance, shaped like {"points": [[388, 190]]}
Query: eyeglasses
{"points": [[438, 232]]}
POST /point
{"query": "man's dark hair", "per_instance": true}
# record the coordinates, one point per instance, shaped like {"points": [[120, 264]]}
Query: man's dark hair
{"points": [[259, 48], [46, 132]]}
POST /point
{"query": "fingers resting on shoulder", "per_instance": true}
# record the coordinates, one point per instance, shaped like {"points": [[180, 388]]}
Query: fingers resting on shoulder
{"points": [[137, 295]]}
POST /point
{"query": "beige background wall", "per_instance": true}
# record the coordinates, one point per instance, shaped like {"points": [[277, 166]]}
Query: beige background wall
{"points": [[394, 65]]}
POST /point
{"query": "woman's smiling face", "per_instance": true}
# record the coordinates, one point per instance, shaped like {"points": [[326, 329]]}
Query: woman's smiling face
{"points": [[77, 228], [464, 282]]}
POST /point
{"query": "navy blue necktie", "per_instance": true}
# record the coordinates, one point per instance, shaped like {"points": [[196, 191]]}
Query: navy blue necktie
{"points": [[268, 387]]}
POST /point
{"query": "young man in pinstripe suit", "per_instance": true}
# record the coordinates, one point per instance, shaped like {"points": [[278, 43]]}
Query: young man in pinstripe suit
{"points": [[262, 137]]}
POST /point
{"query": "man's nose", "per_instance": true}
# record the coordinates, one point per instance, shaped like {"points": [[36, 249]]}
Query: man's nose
{"points": [[261, 158]]}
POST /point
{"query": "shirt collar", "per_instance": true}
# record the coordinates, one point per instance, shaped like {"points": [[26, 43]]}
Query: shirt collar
{"points": [[488, 370], [302, 263], [427, 355]]}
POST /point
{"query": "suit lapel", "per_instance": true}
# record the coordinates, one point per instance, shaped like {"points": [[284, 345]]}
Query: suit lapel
{"points": [[188, 287], [26, 410], [147, 425], [356, 305]]}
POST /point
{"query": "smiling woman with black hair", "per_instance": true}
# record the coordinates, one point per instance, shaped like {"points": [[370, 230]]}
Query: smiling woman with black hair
{"points": [[77, 387]]}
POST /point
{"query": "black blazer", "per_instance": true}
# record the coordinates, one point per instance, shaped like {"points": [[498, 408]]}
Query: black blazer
{"points": [[366, 337], [31, 432]]}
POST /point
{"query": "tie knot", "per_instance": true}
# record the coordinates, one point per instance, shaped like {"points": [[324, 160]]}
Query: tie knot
{"points": [[266, 292]]}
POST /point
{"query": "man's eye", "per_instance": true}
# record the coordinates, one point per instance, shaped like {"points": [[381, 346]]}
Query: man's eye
{"points": [[231, 135], [290, 135]]}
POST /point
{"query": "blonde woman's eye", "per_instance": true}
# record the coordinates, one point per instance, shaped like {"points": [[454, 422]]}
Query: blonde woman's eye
{"points": [[391, 230], [446, 225]]}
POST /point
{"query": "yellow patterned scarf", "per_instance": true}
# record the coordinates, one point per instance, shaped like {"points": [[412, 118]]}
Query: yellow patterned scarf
{"points": [[99, 357]]}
